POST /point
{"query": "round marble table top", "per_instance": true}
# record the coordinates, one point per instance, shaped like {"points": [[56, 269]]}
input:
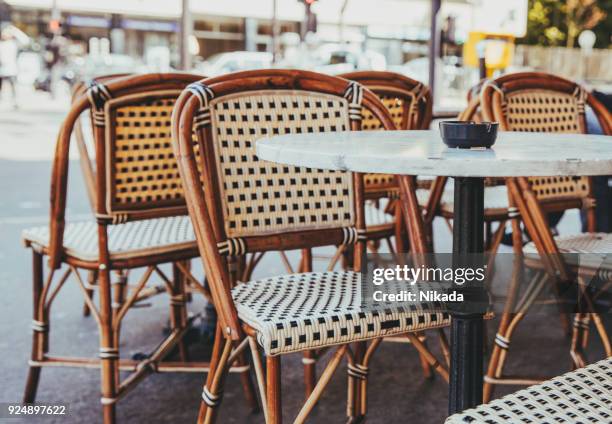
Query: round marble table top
{"points": [[424, 153]]}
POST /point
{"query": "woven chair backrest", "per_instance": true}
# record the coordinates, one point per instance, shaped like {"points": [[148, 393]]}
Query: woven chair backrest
{"points": [[409, 103], [534, 102], [137, 171], [84, 140], [261, 197]]}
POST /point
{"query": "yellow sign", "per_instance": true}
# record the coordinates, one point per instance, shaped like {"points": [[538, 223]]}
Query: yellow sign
{"points": [[497, 48]]}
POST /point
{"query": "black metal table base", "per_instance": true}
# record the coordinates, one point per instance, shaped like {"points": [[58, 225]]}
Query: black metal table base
{"points": [[466, 370]]}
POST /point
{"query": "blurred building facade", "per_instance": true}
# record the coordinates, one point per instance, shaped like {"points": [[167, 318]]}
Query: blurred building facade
{"points": [[134, 26]]}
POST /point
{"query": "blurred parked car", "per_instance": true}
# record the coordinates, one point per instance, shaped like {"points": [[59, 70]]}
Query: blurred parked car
{"points": [[85, 68], [223, 63], [337, 59]]}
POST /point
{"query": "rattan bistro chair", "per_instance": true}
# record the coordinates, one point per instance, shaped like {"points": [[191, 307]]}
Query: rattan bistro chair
{"points": [[247, 205], [545, 103], [141, 222], [581, 396], [409, 103]]}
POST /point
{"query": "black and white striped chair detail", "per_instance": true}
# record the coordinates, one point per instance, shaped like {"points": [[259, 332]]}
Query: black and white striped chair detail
{"points": [[358, 371], [98, 94], [351, 235], [39, 326], [604, 274], [502, 94], [589, 203], [582, 321], [177, 300], [211, 399], [502, 341], [513, 212], [204, 94], [232, 247], [581, 96], [108, 353], [354, 94], [418, 95]]}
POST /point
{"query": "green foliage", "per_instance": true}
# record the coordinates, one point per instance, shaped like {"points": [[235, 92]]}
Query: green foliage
{"points": [[557, 23]]}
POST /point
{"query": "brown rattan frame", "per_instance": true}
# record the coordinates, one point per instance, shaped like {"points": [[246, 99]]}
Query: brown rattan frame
{"points": [[416, 112], [416, 106], [85, 160], [210, 230], [114, 305], [532, 212]]}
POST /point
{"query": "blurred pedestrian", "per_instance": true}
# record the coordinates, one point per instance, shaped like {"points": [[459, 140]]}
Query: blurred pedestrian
{"points": [[8, 63]]}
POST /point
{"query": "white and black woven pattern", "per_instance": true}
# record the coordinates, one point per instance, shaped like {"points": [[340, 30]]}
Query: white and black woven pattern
{"points": [[582, 396], [495, 197], [261, 197], [304, 311], [585, 249], [124, 240]]}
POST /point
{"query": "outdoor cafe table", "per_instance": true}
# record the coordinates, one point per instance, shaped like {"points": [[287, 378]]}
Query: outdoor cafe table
{"points": [[423, 153]]}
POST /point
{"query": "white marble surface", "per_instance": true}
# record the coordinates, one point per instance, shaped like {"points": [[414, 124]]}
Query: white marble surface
{"points": [[424, 153]]}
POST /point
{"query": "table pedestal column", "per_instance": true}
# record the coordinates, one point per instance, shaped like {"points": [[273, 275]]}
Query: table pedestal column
{"points": [[466, 368]]}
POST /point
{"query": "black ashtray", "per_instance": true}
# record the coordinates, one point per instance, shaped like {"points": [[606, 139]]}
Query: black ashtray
{"points": [[468, 134]]}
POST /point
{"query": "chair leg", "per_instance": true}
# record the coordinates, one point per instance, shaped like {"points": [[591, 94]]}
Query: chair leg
{"points": [[273, 390], [109, 350], [309, 359], [91, 280], [358, 371], [178, 311], [425, 365], [508, 323], [40, 328], [212, 392], [119, 290], [426, 355], [401, 235], [353, 407], [579, 340], [247, 384]]}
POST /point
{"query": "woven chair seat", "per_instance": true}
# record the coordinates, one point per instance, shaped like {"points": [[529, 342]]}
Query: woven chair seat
{"points": [[586, 249], [311, 310], [132, 239], [581, 396], [495, 199]]}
